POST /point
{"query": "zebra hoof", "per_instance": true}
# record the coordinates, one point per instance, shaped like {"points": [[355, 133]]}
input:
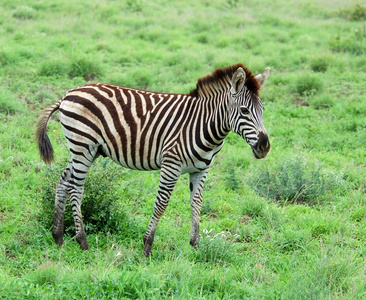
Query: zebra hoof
{"points": [[59, 240], [82, 242], [194, 244], [147, 251], [84, 246]]}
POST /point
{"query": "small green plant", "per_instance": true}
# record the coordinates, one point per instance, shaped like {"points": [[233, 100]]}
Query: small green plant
{"points": [[292, 240], [82, 67], [207, 207], [322, 101], [253, 207], [9, 104], [135, 5], [7, 58], [45, 275], [100, 208], [53, 68], [354, 13], [319, 64], [231, 179], [215, 248], [294, 180], [24, 12], [350, 43], [308, 85]]}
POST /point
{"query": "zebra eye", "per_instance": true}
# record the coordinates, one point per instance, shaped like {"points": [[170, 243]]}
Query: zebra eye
{"points": [[244, 110]]}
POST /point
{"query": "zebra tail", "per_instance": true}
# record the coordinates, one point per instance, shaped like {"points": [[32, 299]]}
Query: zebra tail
{"points": [[44, 143]]}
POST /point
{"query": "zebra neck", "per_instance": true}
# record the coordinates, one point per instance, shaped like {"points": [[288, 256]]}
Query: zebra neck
{"points": [[217, 117]]}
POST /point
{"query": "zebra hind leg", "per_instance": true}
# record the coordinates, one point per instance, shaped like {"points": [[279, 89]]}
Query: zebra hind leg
{"points": [[76, 194], [60, 200], [76, 190]]}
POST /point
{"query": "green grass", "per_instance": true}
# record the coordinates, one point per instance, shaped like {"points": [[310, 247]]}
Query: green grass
{"points": [[291, 226]]}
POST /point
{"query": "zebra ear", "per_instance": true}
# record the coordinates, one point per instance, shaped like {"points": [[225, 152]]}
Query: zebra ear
{"points": [[237, 81], [262, 77]]}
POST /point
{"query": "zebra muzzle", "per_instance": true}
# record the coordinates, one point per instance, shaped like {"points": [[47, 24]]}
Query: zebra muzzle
{"points": [[262, 147]]}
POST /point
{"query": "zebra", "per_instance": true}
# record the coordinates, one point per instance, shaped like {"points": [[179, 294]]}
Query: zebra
{"points": [[145, 130]]}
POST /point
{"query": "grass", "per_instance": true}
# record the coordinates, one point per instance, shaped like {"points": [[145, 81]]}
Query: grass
{"points": [[291, 226]]}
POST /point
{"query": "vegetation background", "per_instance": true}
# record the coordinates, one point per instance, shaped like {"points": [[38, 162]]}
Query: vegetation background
{"points": [[291, 226]]}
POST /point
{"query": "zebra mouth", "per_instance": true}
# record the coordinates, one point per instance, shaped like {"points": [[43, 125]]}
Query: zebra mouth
{"points": [[262, 147], [258, 154]]}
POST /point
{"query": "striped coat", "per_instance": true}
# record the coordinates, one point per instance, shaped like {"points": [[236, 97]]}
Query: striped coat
{"points": [[144, 130]]}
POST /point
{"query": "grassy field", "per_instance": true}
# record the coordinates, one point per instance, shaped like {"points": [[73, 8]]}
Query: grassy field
{"points": [[291, 226]]}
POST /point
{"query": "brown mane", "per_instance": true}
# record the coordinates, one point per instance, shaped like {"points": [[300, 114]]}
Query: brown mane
{"points": [[222, 78]]}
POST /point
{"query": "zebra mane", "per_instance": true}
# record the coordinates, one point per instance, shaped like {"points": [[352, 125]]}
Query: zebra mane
{"points": [[221, 78]]}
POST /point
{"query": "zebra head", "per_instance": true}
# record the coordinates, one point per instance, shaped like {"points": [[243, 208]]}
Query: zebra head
{"points": [[246, 110]]}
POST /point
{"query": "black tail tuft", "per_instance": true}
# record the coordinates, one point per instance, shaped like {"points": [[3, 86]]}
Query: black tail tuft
{"points": [[44, 143]]}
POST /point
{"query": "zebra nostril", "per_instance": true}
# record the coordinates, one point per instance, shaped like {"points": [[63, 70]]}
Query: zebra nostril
{"points": [[263, 142]]}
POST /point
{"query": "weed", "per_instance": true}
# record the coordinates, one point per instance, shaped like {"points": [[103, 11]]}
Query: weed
{"points": [[350, 43], [354, 13], [100, 208], [231, 179], [55, 68], [24, 12], [6, 58], [43, 95], [215, 248], [82, 67], [295, 180], [207, 207], [9, 104], [320, 64], [308, 85], [321, 101], [135, 5], [44, 275], [292, 240], [253, 207]]}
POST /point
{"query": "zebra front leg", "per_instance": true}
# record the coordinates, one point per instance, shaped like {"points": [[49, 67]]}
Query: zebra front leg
{"points": [[196, 186], [60, 201], [168, 179]]}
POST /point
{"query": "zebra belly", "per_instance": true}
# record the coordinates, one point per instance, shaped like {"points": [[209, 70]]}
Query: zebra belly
{"points": [[134, 161]]}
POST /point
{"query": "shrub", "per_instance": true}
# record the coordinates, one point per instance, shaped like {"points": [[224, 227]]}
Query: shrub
{"points": [[53, 68], [354, 13], [81, 67], [215, 248], [253, 207], [207, 207], [294, 180], [24, 12], [7, 58], [322, 101], [232, 181], [308, 85], [100, 208], [9, 104], [292, 240], [134, 5], [354, 44], [319, 64]]}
